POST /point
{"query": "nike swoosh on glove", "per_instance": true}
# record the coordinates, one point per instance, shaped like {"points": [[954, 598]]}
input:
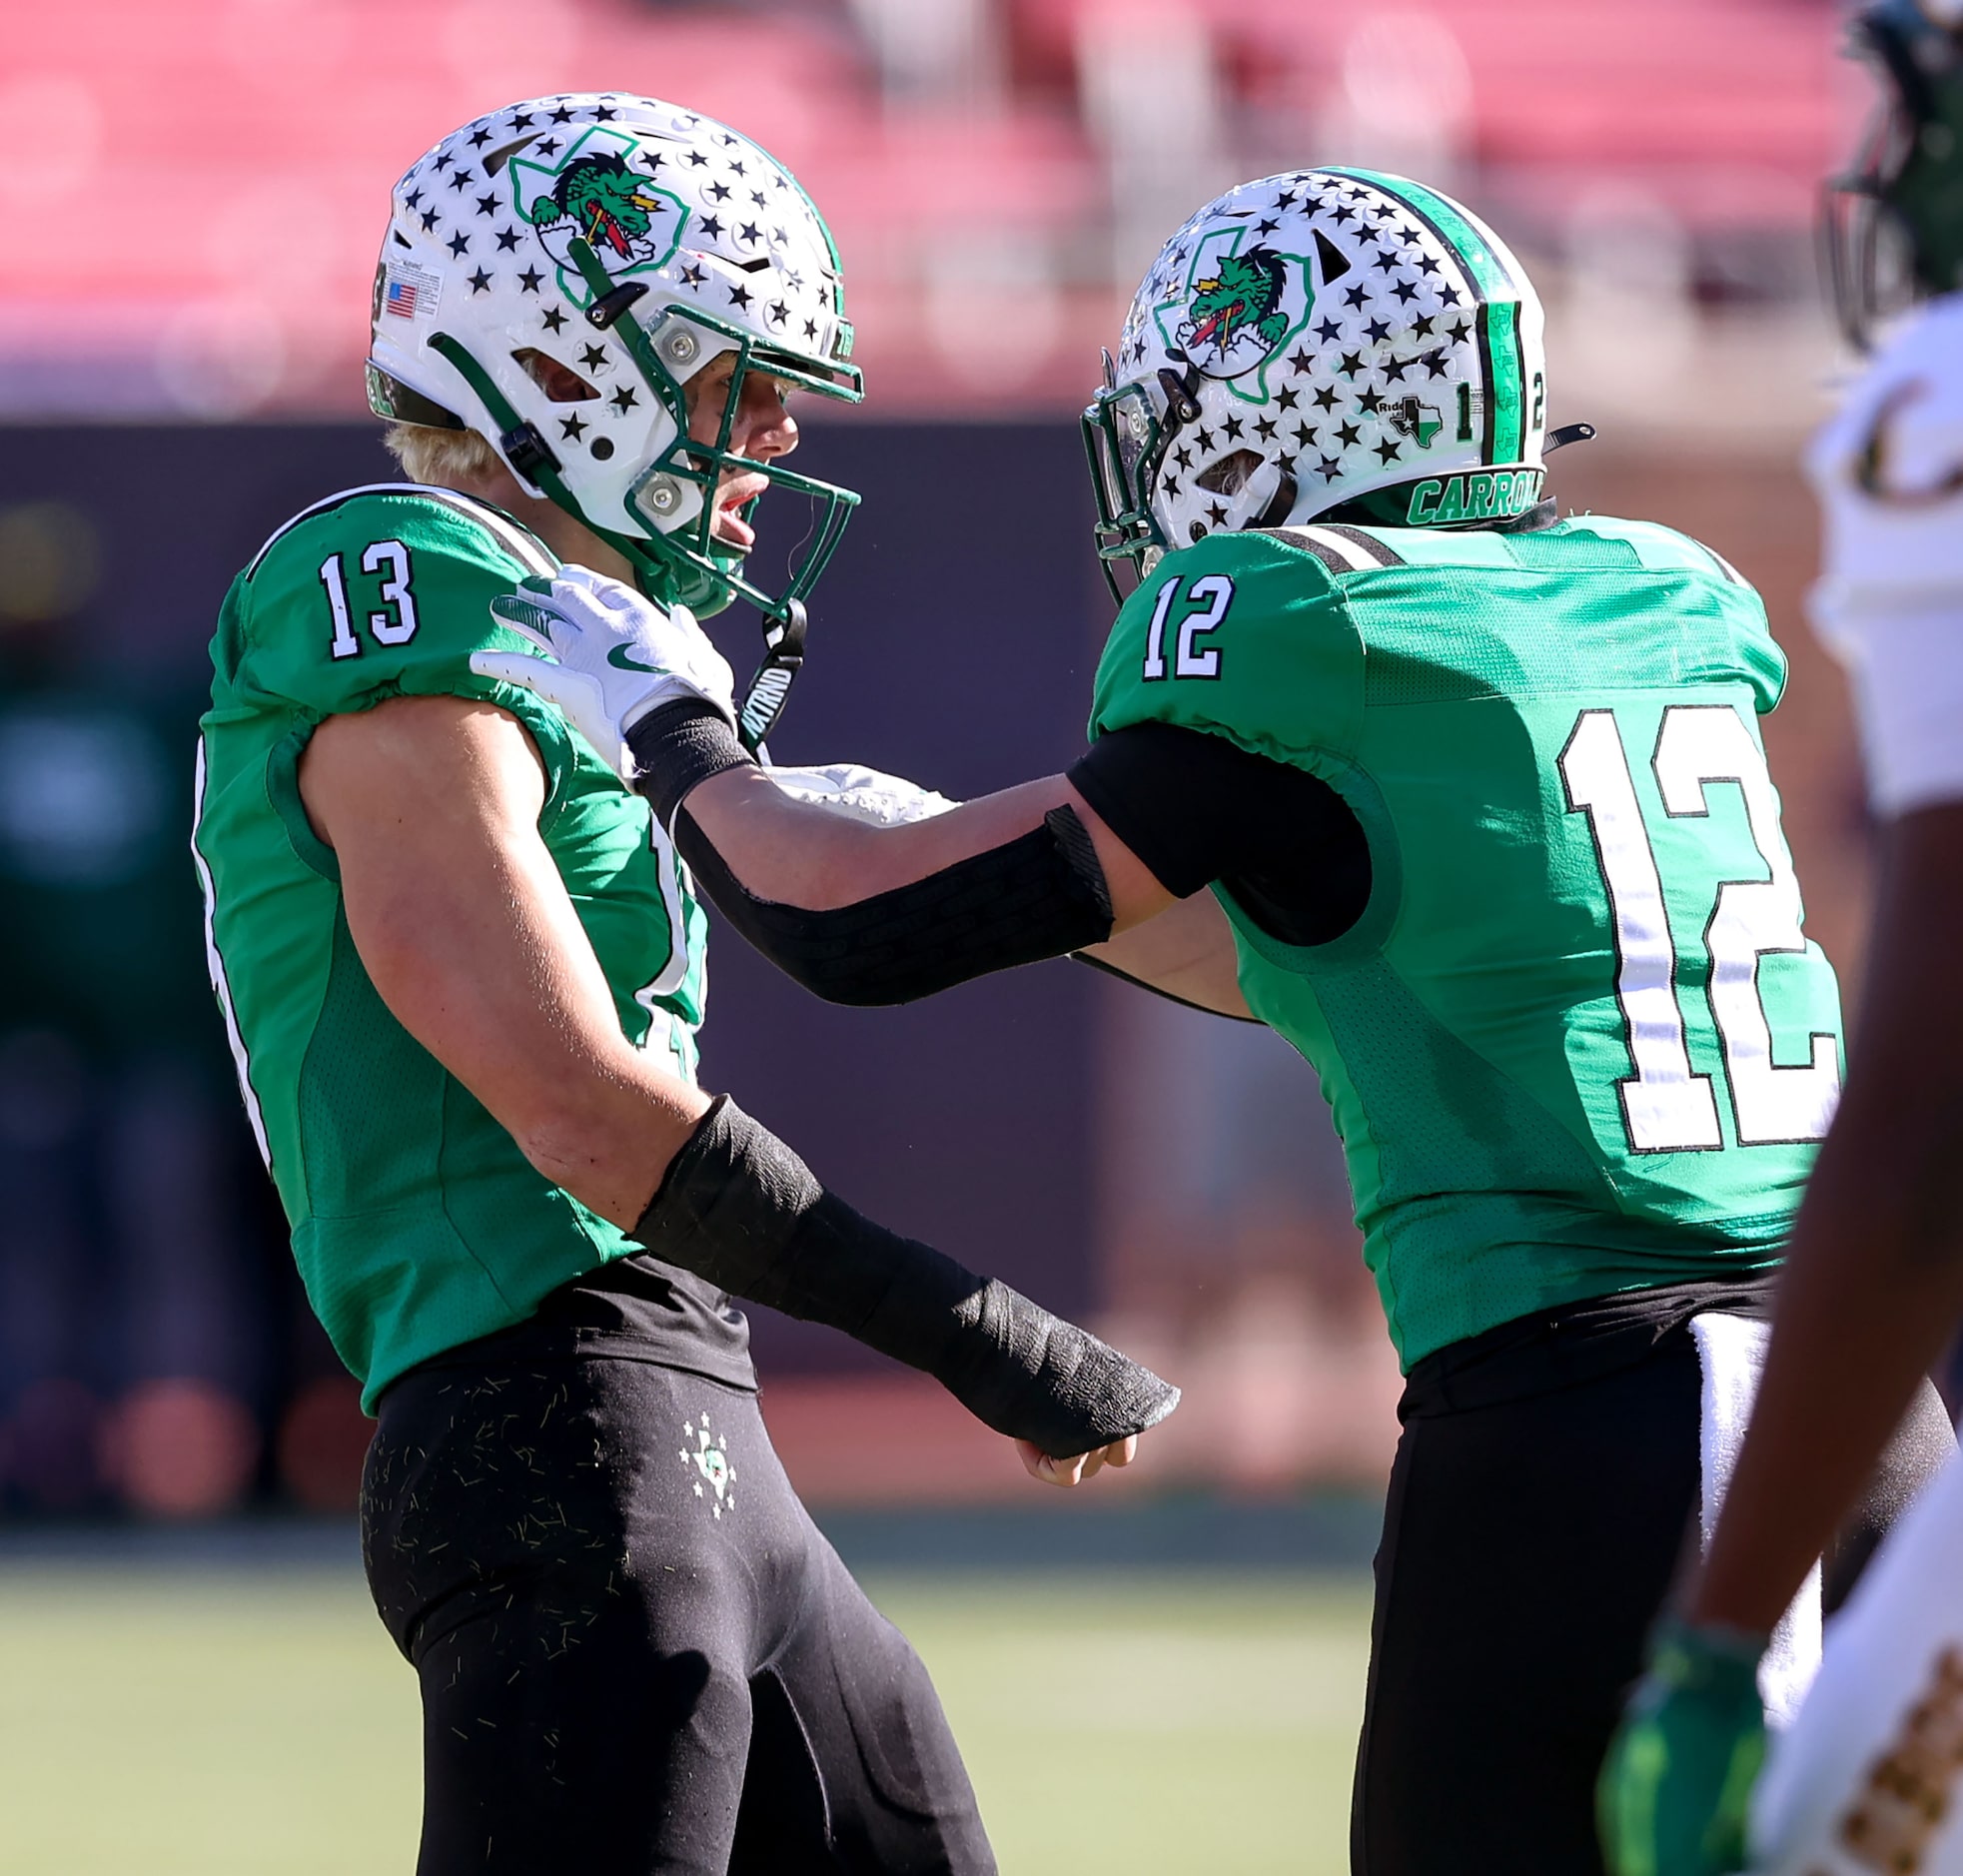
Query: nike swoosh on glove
{"points": [[608, 656]]}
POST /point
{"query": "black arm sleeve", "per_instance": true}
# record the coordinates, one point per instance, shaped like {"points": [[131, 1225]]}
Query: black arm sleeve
{"points": [[678, 747], [1036, 897], [1040, 896], [1196, 808]]}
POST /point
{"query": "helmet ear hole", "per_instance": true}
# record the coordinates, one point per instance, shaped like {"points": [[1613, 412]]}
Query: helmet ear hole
{"points": [[560, 382], [1230, 473], [1196, 531]]}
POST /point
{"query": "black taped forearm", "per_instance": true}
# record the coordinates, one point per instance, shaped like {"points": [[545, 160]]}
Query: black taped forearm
{"points": [[741, 1209], [1040, 896], [678, 748]]}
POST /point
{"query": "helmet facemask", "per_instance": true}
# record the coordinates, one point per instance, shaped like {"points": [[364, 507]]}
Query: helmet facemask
{"points": [[673, 496], [1125, 443]]}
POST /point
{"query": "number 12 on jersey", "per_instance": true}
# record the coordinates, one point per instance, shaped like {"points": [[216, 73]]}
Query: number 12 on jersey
{"points": [[1666, 1106]]}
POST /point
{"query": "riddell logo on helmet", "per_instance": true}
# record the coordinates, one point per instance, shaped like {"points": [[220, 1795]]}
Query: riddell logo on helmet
{"points": [[1481, 495]]}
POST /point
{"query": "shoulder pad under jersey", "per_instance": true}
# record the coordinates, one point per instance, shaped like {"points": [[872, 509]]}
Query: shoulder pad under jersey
{"points": [[372, 593], [1244, 634]]}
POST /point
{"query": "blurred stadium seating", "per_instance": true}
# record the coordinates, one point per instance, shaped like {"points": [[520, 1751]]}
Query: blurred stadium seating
{"points": [[191, 198], [192, 191]]}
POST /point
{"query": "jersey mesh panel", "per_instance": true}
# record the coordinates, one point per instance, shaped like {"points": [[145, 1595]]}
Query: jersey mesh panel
{"points": [[363, 1063]]}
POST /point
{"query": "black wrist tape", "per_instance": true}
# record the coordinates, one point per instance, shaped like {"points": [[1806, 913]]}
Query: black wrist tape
{"points": [[1040, 896], [741, 1209], [679, 746]]}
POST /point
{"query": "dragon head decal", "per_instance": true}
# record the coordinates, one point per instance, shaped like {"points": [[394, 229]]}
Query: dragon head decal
{"points": [[611, 205], [1242, 297], [599, 191], [1236, 303]]}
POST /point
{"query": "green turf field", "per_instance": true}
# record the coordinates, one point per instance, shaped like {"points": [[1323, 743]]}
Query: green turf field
{"points": [[186, 1724]]}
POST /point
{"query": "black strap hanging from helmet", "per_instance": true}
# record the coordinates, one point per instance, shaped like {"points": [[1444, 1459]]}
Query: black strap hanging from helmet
{"points": [[784, 658]]}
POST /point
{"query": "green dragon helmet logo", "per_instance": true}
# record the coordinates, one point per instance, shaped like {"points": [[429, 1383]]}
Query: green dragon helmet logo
{"points": [[1239, 306], [599, 195], [605, 200], [1244, 295]]}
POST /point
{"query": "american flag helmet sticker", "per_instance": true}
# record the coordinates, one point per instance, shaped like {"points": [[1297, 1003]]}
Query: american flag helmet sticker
{"points": [[409, 291]]}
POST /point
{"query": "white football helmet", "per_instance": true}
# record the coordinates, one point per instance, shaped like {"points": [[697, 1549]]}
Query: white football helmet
{"points": [[629, 242], [1328, 342]]}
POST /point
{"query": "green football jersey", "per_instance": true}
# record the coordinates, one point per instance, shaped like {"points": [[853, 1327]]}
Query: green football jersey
{"points": [[417, 1222], [1577, 1043]]}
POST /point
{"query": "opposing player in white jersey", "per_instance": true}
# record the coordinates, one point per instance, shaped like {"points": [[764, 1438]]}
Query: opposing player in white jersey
{"points": [[1869, 1778]]}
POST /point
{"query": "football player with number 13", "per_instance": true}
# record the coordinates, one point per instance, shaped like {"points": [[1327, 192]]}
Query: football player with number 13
{"points": [[462, 970]]}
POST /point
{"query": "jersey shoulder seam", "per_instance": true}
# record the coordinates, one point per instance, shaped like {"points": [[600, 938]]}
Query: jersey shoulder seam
{"points": [[515, 541]]}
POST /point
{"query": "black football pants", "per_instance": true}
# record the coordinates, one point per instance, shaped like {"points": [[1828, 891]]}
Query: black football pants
{"points": [[1529, 1542], [637, 1652]]}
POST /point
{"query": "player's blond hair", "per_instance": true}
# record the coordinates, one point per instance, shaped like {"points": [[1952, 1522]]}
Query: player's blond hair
{"points": [[442, 459]]}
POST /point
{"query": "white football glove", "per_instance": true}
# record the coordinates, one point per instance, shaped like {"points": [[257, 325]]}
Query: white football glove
{"points": [[610, 656], [863, 793]]}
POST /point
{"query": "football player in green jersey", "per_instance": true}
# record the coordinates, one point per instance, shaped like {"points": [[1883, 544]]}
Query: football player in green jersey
{"points": [[1481, 799], [461, 971]]}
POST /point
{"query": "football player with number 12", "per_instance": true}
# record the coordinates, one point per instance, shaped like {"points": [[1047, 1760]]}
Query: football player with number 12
{"points": [[1480, 796]]}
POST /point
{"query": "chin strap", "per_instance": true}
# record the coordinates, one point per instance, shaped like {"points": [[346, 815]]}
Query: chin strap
{"points": [[769, 691]]}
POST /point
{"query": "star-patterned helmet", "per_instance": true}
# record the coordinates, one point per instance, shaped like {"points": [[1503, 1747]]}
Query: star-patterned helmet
{"points": [[1324, 342], [629, 243]]}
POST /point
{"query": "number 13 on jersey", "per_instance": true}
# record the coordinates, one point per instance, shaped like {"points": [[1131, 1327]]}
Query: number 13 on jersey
{"points": [[1666, 1106]]}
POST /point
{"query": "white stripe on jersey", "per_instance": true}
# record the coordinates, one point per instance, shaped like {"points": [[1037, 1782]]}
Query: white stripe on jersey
{"points": [[1329, 542], [521, 546], [221, 984]]}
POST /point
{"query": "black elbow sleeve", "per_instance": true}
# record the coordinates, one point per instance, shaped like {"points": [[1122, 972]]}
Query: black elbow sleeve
{"points": [[1040, 896]]}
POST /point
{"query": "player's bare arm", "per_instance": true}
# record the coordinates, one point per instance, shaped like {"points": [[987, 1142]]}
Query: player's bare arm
{"points": [[1874, 1277], [431, 806], [885, 906], [812, 855], [804, 853], [1186, 953]]}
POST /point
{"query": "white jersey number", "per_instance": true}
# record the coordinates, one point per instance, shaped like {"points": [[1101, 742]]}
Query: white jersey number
{"points": [[1209, 597], [394, 627], [1666, 1106]]}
